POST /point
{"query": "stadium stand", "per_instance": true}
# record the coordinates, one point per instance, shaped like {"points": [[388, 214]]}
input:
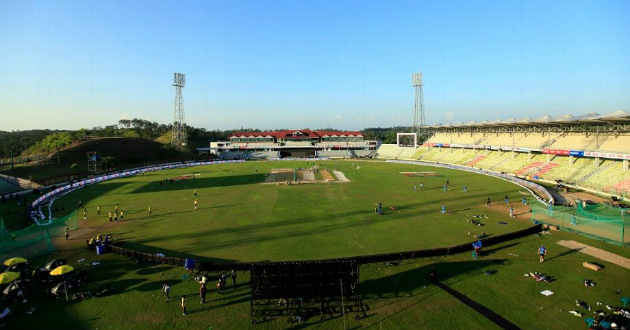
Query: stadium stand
{"points": [[293, 143], [234, 155], [264, 154], [590, 151], [362, 153], [406, 153], [334, 153], [388, 151]]}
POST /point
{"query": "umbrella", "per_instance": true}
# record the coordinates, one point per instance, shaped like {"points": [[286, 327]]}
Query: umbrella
{"points": [[8, 277], [13, 261], [62, 270]]}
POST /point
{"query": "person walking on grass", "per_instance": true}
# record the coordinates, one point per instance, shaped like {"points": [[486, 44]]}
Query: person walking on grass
{"points": [[184, 304], [84, 213], [67, 233], [488, 202], [511, 212], [465, 189], [98, 210], [110, 215], [122, 215], [202, 294], [167, 290], [150, 211], [233, 279], [421, 185], [195, 203], [542, 251], [195, 192], [443, 209]]}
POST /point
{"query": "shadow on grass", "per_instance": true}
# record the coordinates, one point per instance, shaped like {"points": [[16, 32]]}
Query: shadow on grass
{"points": [[479, 308], [405, 284], [206, 182]]}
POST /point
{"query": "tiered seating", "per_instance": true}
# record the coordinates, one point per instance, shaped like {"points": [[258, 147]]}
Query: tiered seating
{"points": [[334, 153], [362, 153], [615, 144], [544, 169], [419, 152], [455, 156], [570, 172], [264, 154], [491, 159], [476, 160], [432, 154], [512, 165], [389, 151], [406, 153], [607, 178], [7, 187], [234, 155], [575, 142], [529, 168], [501, 139], [439, 138]]}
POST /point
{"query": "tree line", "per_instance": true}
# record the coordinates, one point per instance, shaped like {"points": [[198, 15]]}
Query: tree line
{"points": [[35, 142]]}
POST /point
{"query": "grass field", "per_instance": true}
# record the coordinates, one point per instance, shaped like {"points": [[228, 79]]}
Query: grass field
{"points": [[241, 220]]}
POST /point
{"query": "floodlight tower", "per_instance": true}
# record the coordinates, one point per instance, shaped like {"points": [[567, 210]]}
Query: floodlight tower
{"points": [[178, 138], [418, 108]]}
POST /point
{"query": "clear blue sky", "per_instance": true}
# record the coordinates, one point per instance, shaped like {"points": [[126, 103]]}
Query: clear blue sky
{"points": [[297, 64]]}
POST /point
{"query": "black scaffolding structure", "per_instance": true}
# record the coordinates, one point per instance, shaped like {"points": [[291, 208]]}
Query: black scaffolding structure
{"points": [[301, 290]]}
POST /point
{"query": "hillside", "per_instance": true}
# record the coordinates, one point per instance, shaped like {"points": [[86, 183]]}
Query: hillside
{"points": [[71, 162]]}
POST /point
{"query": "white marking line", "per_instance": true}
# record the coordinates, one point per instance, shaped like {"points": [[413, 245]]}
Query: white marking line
{"points": [[598, 253]]}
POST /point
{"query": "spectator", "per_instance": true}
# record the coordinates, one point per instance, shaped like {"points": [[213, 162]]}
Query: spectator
{"points": [[233, 279], [184, 304]]}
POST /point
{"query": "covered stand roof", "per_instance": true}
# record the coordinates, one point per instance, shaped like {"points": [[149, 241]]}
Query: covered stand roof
{"points": [[295, 134], [617, 117]]}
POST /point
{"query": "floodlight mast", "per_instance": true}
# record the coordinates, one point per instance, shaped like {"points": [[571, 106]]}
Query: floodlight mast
{"points": [[418, 108], [178, 137]]}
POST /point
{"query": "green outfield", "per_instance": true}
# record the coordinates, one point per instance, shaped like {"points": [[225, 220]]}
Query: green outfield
{"points": [[240, 219]]}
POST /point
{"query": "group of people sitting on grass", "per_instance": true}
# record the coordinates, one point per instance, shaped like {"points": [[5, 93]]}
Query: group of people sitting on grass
{"points": [[98, 240]]}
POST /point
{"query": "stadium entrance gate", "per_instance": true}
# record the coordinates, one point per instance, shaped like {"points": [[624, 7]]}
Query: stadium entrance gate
{"points": [[301, 290]]}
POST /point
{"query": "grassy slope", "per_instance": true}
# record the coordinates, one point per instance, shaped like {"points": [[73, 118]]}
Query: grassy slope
{"points": [[398, 296]]}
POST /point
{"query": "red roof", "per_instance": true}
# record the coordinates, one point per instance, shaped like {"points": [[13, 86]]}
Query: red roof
{"points": [[300, 133]]}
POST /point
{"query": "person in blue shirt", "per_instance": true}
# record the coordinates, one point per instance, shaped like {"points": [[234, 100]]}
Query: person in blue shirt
{"points": [[542, 251]]}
